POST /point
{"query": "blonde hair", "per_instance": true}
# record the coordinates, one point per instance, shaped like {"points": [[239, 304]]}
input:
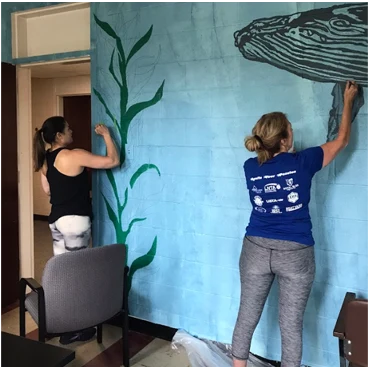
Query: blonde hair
{"points": [[267, 135]]}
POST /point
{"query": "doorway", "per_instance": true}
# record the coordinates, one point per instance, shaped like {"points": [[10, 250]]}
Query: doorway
{"points": [[57, 88], [77, 112]]}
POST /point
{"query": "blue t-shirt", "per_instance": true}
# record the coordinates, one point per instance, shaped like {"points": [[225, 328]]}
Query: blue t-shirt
{"points": [[280, 194]]}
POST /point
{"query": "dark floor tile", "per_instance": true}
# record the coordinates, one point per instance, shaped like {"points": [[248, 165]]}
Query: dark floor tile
{"points": [[113, 356], [33, 335]]}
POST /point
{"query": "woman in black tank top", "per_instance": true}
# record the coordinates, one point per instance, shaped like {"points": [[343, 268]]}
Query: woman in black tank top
{"points": [[65, 179]]}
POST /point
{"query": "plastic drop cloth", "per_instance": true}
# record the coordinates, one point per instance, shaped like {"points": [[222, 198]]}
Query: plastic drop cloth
{"points": [[206, 353]]}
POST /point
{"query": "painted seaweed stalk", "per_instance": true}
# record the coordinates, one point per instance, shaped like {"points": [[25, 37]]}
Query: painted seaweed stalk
{"points": [[328, 45], [121, 124], [116, 218], [127, 114]]}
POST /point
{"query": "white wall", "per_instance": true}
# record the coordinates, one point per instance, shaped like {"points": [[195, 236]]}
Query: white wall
{"points": [[46, 94]]}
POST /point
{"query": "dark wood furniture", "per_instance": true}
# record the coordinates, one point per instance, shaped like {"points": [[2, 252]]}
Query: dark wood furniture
{"points": [[17, 351], [352, 331]]}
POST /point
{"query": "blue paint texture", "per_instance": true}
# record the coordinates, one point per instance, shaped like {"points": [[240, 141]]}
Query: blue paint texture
{"points": [[199, 206]]}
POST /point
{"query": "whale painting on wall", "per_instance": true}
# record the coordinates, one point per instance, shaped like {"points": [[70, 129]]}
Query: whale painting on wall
{"points": [[328, 45]]}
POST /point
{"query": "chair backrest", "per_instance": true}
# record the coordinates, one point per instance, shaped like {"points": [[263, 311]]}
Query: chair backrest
{"points": [[356, 332], [83, 288]]}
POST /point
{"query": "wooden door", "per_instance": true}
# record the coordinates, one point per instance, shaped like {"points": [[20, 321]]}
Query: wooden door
{"points": [[9, 188], [77, 112]]}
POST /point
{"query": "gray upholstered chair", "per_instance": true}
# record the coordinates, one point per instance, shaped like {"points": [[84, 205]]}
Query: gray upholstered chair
{"points": [[80, 289]]}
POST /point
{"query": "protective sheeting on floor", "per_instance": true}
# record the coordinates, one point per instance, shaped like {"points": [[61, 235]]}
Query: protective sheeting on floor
{"points": [[206, 353]]}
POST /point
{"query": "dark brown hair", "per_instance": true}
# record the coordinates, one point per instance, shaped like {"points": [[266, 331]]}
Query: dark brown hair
{"points": [[50, 128]]}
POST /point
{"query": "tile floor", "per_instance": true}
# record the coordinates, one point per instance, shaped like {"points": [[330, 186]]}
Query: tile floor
{"points": [[145, 351]]}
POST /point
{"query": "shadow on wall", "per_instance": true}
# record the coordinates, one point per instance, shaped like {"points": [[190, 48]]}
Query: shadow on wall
{"points": [[315, 308]]}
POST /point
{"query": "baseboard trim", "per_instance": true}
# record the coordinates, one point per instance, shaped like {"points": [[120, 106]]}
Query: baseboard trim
{"points": [[160, 331], [40, 218], [9, 307]]}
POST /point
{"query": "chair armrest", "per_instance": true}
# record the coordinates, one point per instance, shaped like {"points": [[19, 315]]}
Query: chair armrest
{"points": [[339, 329], [36, 287], [32, 283]]}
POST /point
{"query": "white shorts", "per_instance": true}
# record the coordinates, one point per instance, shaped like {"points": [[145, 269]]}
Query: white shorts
{"points": [[70, 233]]}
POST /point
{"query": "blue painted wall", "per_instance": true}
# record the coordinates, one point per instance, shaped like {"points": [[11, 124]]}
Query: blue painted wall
{"points": [[198, 207]]}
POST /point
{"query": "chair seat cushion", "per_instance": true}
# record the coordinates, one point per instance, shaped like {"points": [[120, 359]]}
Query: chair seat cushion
{"points": [[32, 305]]}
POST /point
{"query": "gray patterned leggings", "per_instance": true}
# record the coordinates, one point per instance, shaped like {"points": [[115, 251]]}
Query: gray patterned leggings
{"points": [[70, 233], [294, 264]]}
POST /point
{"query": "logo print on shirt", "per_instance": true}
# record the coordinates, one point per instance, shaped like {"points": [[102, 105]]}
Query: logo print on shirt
{"points": [[286, 173], [290, 185], [258, 201], [294, 208], [293, 197], [271, 187], [256, 190], [260, 209], [276, 209], [274, 200], [256, 178]]}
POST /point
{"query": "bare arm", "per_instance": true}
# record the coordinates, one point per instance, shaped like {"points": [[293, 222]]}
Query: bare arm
{"points": [[88, 159], [332, 149], [45, 183]]}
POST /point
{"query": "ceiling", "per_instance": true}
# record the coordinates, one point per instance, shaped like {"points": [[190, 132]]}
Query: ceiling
{"points": [[60, 70]]}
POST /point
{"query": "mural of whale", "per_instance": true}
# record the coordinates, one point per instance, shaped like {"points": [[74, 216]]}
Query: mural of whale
{"points": [[328, 45]]}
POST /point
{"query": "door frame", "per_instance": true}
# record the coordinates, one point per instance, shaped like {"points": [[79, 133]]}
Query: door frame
{"points": [[60, 102], [25, 182], [25, 163]]}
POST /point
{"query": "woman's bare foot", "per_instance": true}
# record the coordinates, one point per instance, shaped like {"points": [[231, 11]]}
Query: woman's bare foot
{"points": [[239, 363]]}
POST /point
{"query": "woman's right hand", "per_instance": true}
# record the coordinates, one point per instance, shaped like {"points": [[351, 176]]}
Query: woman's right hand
{"points": [[102, 130], [350, 92], [331, 149]]}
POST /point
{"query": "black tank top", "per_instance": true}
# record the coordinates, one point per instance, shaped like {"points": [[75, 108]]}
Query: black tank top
{"points": [[69, 195]]}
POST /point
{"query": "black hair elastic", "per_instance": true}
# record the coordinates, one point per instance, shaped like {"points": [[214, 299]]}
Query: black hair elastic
{"points": [[259, 140]]}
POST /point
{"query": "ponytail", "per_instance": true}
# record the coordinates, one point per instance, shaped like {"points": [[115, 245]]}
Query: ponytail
{"points": [[39, 152], [50, 128]]}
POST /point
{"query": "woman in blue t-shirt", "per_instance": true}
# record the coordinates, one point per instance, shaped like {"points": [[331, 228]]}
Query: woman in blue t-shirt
{"points": [[278, 239]]}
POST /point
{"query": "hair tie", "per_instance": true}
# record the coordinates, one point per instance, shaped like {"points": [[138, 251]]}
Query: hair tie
{"points": [[259, 140]]}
